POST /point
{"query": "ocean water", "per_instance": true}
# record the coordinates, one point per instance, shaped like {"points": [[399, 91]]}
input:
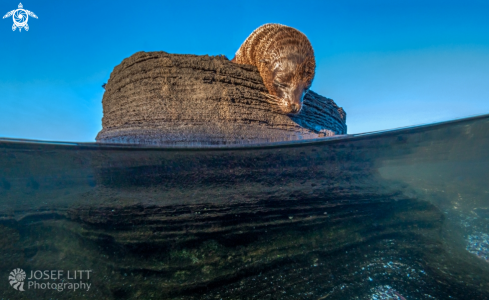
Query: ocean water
{"points": [[401, 214]]}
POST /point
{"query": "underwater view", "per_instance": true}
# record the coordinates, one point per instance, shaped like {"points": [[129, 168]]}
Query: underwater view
{"points": [[400, 214]]}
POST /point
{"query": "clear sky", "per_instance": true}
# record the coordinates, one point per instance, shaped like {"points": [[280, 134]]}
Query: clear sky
{"points": [[389, 63]]}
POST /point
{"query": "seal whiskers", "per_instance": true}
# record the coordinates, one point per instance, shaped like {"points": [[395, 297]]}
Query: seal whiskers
{"points": [[276, 103], [272, 97]]}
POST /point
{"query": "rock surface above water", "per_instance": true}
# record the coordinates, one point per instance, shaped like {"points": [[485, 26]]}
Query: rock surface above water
{"points": [[166, 99]]}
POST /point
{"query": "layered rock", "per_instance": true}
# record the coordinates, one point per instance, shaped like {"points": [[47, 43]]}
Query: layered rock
{"points": [[170, 99]]}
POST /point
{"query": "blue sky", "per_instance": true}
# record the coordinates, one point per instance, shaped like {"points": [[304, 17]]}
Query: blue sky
{"points": [[387, 63]]}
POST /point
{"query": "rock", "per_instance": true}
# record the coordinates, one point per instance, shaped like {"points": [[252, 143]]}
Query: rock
{"points": [[171, 99], [336, 219]]}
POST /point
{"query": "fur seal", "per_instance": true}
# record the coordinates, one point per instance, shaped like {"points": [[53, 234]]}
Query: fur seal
{"points": [[285, 59]]}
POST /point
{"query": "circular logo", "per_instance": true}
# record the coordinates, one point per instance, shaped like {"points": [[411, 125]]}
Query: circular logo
{"points": [[20, 18], [16, 279]]}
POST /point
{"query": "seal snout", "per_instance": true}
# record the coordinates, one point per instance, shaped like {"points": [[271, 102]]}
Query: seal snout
{"points": [[295, 108], [295, 99]]}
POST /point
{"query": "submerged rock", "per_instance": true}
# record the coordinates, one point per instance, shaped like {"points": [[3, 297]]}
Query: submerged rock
{"points": [[171, 99], [363, 217]]}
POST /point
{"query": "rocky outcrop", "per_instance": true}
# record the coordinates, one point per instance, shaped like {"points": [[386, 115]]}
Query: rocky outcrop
{"points": [[170, 99]]}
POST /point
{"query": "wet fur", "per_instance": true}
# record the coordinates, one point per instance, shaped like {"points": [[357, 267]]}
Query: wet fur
{"points": [[285, 59]]}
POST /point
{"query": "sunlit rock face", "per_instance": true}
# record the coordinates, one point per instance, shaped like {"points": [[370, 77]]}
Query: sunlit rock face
{"points": [[169, 99]]}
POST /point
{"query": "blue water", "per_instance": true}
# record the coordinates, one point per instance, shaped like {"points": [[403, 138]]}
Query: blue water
{"points": [[401, 214]]}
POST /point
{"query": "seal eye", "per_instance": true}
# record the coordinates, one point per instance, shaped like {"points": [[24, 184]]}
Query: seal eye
{"points": [[275, 82]]}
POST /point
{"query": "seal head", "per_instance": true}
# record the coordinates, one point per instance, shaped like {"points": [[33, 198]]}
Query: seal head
{"points": [[285, 59]]}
